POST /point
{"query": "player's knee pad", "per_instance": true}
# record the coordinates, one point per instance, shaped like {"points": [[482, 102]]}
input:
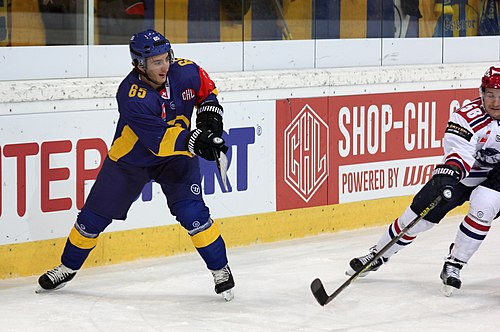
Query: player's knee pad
{"points": [[191, 214], [484, 205], [194, 216], [209, 243], [87, 228], [83, 238], [205, 234]]}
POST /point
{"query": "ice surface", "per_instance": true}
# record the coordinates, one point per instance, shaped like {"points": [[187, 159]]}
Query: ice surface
{"points": [[272, 291]]}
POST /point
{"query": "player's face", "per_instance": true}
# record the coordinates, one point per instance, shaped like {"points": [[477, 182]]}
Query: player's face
{"points": [[157, 67], [491, 102]]}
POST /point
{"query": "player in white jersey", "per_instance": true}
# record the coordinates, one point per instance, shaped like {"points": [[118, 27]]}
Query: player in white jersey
{"points": [[471, 169]]}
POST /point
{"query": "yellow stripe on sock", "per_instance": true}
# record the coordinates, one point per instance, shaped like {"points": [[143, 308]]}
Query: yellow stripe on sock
{"points": [[207, 237], [80, 241]]}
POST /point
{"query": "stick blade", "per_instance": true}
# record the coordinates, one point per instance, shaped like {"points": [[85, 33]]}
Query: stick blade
{"points": [[223, 165], [319, 292]]}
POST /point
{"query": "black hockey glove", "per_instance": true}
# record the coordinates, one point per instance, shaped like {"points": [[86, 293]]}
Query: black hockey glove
{"points": [[205, 144], [209, 117], [443, 181]]}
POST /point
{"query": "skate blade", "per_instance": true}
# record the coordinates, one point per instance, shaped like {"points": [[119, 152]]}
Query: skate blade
{"points": [[227, 295], [41, 290], [447, 290], [350, 272]]}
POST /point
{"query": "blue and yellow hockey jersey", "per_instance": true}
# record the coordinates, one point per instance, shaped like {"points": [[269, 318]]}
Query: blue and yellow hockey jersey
{"points": [[153, 125]]}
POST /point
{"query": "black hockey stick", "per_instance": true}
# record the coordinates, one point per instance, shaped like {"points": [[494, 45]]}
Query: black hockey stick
{"points": [[317, 287]]}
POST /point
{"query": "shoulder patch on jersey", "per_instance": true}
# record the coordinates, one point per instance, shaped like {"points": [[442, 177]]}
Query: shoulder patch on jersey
{"points": [[456, 129]]}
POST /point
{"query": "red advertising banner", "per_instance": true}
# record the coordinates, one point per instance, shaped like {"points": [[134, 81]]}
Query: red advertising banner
{"points": [[302, 152], [338, 149]]}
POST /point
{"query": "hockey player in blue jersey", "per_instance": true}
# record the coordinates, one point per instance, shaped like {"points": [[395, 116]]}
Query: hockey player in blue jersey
{"points": [[154, 141]]}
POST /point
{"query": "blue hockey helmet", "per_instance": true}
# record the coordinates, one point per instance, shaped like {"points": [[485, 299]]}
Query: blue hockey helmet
{"points": [[148, 43]]}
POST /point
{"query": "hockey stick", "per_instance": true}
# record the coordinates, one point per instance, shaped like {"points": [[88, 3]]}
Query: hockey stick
{"points": [[222, 163], [317, 287]]}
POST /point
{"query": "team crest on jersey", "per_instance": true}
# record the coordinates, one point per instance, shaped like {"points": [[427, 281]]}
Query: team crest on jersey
{"points": [[488, 156], [187, 94]]}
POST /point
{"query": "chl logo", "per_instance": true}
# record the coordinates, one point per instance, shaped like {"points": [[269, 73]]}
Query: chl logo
{"points": [[306, 153], [187, 94]]}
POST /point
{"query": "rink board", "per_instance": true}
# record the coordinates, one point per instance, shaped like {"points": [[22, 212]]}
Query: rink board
{"points": [[328, 159], [36, 257]]}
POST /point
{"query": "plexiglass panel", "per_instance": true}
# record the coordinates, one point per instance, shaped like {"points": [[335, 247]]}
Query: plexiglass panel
{"points": [[112, 22], [258, 34]]}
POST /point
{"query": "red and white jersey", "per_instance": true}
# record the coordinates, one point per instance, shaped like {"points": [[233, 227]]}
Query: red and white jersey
{"points": [[472, 142]]}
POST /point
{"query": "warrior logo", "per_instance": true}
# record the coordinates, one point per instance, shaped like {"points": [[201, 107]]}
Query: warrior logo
{"points": [[306, 153], [195, 189]]}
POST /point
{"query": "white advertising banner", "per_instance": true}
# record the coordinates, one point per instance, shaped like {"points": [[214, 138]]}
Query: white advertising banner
{"points": [[48, 163], [384, 179]]}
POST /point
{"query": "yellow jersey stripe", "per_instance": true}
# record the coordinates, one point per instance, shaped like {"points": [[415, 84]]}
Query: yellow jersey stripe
{"points": [[123, 144], [167, 144]]}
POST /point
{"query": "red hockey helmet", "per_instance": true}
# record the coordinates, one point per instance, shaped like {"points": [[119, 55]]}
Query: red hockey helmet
{"points": [[491, 78]]}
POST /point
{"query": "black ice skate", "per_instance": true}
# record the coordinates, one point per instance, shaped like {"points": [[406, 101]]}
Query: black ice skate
{"points": [[359, 263], [224, 282], [450, 275], [54, 279]]}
